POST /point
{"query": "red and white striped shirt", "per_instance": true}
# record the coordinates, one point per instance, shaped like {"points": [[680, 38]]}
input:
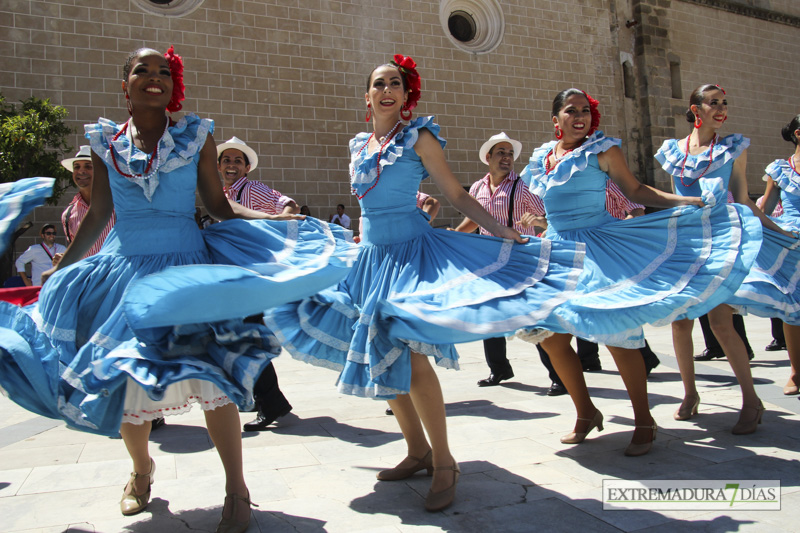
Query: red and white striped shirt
{"points": [[76, 211], [617, 203], [422, 198], [497, 203], [257, 196]]}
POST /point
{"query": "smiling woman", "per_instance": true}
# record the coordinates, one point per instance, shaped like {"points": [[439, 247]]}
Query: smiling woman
{"points": [[131, 346]]}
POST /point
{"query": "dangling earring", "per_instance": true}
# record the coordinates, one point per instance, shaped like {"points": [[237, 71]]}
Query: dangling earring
{"points": [[726, 116], [405, 112], [130, 106], [698, 121], [369, 113], [559, 133]]}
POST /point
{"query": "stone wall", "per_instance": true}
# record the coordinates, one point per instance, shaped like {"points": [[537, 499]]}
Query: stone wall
{"points": [[289, 76], [718, 41]]}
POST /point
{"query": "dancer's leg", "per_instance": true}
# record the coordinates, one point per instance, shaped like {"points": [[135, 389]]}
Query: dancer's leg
{"points": [[634, 374], [721, 320], [426, 395], [225, 431], [569, 369], [411, 427], [792, 339], [684, 348], [136, 437]]}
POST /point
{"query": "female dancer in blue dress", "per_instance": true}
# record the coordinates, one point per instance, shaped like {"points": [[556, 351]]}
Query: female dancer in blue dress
{"points": [[783, 183], [485, 285], [701, 162], [637, 271], [88, 351]]}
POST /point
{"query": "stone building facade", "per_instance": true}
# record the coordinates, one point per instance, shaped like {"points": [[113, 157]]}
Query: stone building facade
{"points": [[289, 76]]}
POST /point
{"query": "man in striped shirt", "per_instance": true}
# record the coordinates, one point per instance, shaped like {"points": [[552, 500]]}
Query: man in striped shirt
{"points": [[509, 201], [234, 161], [71, 218]]}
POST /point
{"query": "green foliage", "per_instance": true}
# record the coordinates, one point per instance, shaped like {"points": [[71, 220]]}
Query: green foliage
{"points": [[33, 141]]}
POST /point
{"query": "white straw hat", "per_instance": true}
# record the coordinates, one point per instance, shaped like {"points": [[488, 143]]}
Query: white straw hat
{"points": [[499, 138], [85, 152], [238, 144]]}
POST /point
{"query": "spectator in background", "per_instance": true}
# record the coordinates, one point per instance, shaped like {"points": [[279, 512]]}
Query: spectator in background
{"points": [[340, 218], [40, 256]]}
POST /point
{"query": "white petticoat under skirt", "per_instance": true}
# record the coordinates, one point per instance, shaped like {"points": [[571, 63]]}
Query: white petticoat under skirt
{"points": [[178, 398]]}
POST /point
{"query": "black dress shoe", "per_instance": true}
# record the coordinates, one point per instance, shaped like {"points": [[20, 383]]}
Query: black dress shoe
{"points": [[775, 346], [556, 389], [389, 411], [708, 355], [263, 420], [157, 423], [592, 366], [495, 379], [750, 355]]}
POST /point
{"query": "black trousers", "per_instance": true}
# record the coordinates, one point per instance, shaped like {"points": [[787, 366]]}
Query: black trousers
{"points": [[270, 401], [712, 344], [777, 330], [494, 350], [588, 352]]}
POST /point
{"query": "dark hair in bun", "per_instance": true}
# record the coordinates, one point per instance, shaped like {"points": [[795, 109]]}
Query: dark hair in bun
{"points": [[789, 129]]}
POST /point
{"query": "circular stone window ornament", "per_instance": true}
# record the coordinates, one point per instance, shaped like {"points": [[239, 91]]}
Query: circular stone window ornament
{"points": [[169, 8], [475, 26]]}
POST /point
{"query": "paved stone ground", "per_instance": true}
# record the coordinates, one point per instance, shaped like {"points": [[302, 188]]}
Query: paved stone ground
{"points": [[316, 470]]}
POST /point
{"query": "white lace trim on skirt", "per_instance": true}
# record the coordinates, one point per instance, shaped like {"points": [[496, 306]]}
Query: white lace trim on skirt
{"points": [[178, 399]]}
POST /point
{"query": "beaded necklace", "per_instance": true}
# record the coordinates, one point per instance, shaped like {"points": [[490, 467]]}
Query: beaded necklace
{"points": [[153, 157], [547, 167], [710, 160], [380, 152]]}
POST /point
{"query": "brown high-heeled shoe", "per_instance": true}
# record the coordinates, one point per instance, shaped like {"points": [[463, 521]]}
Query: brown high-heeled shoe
{"points": [[576, 438], [748, 426], [230, 525], [397, 473], [132, 503], [436, 501], [635, 450], [685, 413], [791, 388]]}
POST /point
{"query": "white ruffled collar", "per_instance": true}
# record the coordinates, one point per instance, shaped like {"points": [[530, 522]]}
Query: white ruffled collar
{"points": [[539, 180], [676, 162], [784, 176]]}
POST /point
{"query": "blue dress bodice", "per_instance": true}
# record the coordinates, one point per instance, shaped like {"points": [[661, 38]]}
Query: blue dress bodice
{"points": [[154, 214], [788, 181], [694, 175], [574, 191], [389, 210]]}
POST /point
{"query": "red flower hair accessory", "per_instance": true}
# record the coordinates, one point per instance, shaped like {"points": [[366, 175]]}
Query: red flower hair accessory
{"points": [[595, 113], [176, 71], [408, 68]]}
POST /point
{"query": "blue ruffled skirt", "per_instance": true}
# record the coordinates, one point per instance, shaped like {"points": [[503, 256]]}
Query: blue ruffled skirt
{"points": [[164, 322], [658, 268], [423, 290], [772, 288]]}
